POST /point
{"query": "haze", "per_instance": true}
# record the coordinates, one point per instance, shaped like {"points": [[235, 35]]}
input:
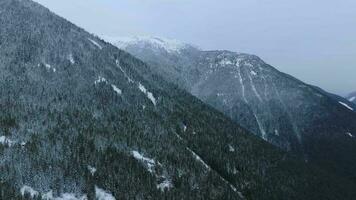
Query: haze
{"points": [[311, 40]]}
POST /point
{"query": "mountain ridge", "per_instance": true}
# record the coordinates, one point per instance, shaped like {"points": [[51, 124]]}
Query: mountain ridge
{"points": [[275, 106], [352, 97]]}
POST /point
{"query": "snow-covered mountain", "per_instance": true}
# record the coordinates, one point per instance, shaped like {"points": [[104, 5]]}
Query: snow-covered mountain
{"points": [[155, 43], [352, 97], [273, 105], [81, 119]]}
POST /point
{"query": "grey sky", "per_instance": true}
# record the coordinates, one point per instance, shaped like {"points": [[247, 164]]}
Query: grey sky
{"points": [[314, 40]]}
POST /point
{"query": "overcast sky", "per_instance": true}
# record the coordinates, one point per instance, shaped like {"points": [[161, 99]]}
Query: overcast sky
{"points": [[314, 40]]}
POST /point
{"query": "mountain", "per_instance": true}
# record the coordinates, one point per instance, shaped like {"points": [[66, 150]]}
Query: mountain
{"points": [[82, 119], [352, 97], [279, 108], [342, 101]]}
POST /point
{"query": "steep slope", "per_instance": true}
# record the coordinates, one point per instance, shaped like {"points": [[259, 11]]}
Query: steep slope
{"points": [[82, 119], [346, 102], [352, 97], [275, 106]]}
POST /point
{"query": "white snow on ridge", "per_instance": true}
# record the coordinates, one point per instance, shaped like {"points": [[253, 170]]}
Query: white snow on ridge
{"points": [[95, 43], [116, 89], [347, 106], [147, 93], [352, 99], [169, 45], [27, 190], [101, 194]]}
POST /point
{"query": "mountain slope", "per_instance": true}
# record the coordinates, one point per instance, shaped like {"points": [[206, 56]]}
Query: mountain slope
{"points": [[275, 106], [342, 101], [352, 97], [82, 119]]}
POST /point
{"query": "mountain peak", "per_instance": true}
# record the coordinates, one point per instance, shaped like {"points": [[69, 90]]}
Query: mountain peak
{"points": [[168, 45]]}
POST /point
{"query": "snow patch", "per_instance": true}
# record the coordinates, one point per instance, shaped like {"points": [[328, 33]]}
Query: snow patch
{"points": [[122, 70], [27, 190], [231, 148], [349, 134], [199, 159], [254, 89], [6, 141], [71, 59], [347, 106], [263, 132], [185, 128], [166, 184], [225, 62], [147, 93], [101, 194], [92, 170], [149, 163], [352, 99], [162, 181], [65, 196], [100, 80], [116, 89], [253, 73], [95, 43], [242, 86], [276, 132], [49, 67]]}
